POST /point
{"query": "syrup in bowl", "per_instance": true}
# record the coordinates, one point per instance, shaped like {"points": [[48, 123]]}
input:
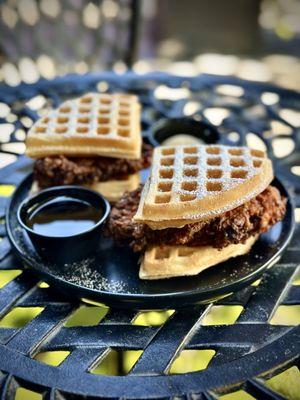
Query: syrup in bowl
{"points": [[64, 223], [63, 216]]}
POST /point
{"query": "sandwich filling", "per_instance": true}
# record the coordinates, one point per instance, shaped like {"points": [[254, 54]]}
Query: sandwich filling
{"points": [[233, 227], [63, 170]]}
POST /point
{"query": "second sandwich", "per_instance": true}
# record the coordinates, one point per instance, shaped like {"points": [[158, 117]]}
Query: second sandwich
{"points": [[94, 141]]}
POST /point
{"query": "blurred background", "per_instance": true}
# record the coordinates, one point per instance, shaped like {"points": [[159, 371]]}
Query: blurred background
{"points": [[258, 40], [252, 39]]}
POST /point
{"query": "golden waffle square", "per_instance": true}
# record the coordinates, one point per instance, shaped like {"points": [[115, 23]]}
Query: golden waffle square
{"points": [[160, 262], [92, 125], [195, 183]]}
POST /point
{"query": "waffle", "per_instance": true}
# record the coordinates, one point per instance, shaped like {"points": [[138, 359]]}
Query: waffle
{"points": [[172, 261], [92, 125], [195, 183], [112, 190]]}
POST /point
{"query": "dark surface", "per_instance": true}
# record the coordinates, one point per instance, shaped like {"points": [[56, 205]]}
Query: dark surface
{"points": [[166, 128], [247, 352], [118, 266]]}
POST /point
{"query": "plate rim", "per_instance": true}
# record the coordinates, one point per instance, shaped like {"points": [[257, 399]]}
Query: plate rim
{"points": [[145, 299]]}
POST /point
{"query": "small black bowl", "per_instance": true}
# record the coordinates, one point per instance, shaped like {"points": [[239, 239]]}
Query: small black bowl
{"points": [[168, 127], [69, 248]]}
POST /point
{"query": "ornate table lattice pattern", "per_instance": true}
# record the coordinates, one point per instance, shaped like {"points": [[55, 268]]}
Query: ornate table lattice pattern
{"points": [[246, 352], [105, 34]]}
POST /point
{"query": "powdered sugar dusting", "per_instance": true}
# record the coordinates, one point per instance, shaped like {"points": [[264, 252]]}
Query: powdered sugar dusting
{"points": [[84, 274], [183, 175], [110, 116]]}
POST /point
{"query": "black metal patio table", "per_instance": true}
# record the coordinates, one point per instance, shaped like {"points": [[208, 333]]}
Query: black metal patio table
{"points": [[247, 352]]}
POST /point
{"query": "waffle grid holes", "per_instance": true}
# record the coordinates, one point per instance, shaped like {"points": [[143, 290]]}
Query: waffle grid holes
{"points": [[257, 153], [239, 174], [213, 150], [187, 197], [103, 130], [257, 163], [124, 104], [106, 101], [165, 186], [86, 100], [166, 173], [214, 161], [83, 120], [123, 132], [167, 161], [162, 198], [40, 129], [190, 160], [189, 186], [82, 129], [93, 116], [123, 113], [61, 129], [237, 162], [190, 150], [84, 110], [103, 120], [200, 171], [184, 252], [104, 111], [168, 152], [236, 152], [161, 253], [191, 172], [214, 186], [123, 122], [214, 173], [65, 110], [62, 120]]}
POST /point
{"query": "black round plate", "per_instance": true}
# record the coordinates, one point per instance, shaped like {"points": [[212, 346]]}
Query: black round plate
{"points": [[111, 275]]}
